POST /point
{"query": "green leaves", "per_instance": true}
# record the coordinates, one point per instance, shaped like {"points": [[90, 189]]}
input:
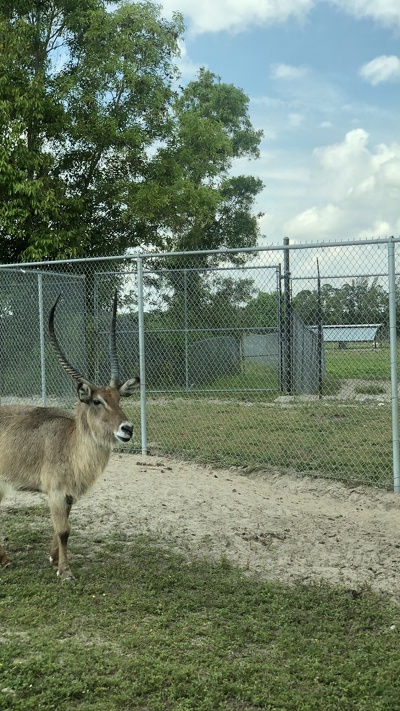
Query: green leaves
{"points": [[361, 301], [99, 151]]}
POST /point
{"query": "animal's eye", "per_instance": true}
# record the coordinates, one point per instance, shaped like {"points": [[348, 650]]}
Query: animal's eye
{"points": [[96, 401]]}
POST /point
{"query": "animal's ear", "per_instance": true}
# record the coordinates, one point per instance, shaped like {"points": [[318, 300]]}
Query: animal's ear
{"points": [[84, 392], [129, 387]]}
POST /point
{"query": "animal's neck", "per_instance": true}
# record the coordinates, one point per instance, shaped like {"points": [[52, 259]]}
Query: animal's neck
{"points": [[91, 454]]}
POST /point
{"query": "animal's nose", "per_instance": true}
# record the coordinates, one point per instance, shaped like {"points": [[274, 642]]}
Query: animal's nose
{"points": [[127, 429]]}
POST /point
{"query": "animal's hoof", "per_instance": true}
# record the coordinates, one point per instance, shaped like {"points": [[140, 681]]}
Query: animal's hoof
{"points": [[65, 575], [5, 562]]}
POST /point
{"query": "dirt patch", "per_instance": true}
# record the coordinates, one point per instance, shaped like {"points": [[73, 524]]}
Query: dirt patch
{"points": [[276, 525]]}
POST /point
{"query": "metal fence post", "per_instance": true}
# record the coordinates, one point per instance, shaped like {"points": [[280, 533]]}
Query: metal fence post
{"points": [[41, 337], [279, 316], [185, 318], [142, 364], [393, 365], [320, 333], [288, 332], [96, 320]]}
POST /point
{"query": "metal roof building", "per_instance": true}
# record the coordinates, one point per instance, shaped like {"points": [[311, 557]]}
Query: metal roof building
{"points": [[363, 332]]}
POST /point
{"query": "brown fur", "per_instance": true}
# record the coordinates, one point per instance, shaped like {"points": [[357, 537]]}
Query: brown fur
{"points": [[61, 454]]}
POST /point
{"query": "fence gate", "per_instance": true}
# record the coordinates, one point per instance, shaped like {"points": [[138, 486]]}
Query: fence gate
{"points": [[212, 330]]}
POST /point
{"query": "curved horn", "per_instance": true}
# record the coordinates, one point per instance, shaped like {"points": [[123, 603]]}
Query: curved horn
{"points": [[57, 350], [114, 382]]}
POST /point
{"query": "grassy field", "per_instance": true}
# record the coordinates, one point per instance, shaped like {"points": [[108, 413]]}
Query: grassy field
{"points": [[364, 363], [340, 364], [352, 443], [145, 629], [238, 426]]}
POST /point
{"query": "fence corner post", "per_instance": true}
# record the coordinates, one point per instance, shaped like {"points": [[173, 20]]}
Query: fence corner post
{"points": [[393, 365]]}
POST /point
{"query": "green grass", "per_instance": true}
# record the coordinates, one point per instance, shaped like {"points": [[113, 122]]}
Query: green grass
{"points": [[347, 441], [367, 364], [352, 443], [370, 389], [252, 377], [146, 629], [260, 383]]}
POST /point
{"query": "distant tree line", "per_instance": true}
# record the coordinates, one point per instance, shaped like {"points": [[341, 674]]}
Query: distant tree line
{"points": [[362, 300]]}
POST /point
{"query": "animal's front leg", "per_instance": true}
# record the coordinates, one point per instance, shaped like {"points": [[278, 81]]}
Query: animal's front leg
{"points": [[54, 550], [60, 507], [55, 543]]}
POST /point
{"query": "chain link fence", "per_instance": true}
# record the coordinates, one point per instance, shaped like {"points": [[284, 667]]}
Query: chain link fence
{"points": [[277, 357], [28, 370]]}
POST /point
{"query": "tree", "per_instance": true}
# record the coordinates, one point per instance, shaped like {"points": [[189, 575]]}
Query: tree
{"points": [[204, 301], [262, 311], [305, 304], [360, 301], [208, 208], [99, 150], [364, 301]]}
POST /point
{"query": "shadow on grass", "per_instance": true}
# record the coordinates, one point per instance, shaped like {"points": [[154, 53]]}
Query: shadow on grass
{"points": [[143, 628]]}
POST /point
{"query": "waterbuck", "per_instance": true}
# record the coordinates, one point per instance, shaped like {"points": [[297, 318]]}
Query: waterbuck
{"points": [[62, 453]]}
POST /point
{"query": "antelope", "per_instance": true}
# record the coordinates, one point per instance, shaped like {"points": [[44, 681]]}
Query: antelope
{"points": [[63, 453]]}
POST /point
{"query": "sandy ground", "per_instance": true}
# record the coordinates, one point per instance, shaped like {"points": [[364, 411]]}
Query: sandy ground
{"points": [[279, 526]]}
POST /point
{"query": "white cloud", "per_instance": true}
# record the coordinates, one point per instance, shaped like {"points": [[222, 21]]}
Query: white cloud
{"points": [[355, 192], [385, 12], [287, 71], [235, 15], [238, 15], [344, 155], [381, 69], [380, 228], [316, 221], [353, 169]]}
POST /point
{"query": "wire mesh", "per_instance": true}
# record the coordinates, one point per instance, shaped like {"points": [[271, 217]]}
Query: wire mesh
{"points": [[28, 370], [196, 324], [236, 373]]}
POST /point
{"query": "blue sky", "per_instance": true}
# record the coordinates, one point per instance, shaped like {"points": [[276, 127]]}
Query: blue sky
{"points": [[323, 78]]}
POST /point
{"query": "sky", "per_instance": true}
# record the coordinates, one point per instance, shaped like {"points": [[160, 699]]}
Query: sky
{"points": [[323, 80]]}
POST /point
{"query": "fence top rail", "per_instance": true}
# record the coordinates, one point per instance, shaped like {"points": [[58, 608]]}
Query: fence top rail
{"points": [[21, 269], [136, 256], [194, 269]]}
